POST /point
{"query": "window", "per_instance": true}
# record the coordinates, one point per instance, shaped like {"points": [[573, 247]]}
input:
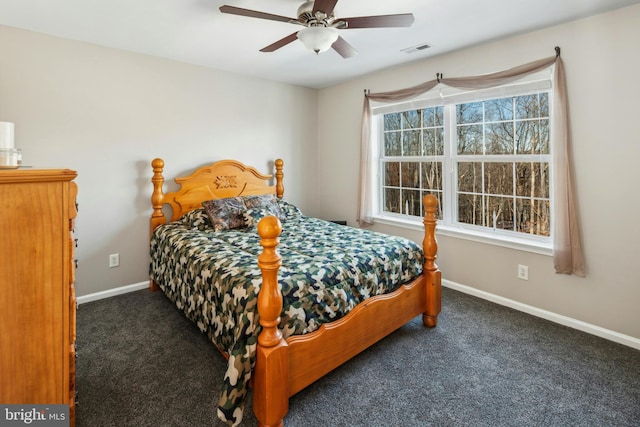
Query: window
{"points": [[412, 159], [486, 157]]}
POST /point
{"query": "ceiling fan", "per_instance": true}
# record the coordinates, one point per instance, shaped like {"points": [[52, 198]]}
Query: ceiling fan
{"points": [[321, 25]]}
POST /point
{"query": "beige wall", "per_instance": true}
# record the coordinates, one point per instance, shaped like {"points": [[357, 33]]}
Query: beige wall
{"points": [[602, 65], [108, 113]]}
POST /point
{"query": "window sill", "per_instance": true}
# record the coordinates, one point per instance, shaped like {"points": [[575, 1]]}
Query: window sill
{"points": [[540, 248]]}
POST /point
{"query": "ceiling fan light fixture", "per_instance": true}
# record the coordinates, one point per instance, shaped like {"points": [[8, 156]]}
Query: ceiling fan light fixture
{"points": [[318, 39]]}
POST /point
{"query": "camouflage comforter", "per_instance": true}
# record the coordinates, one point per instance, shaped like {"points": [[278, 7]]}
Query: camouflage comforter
{"points": [[327, 269]]}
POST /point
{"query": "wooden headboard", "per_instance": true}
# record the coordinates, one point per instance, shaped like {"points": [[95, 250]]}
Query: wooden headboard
{"points": [[225, 178]]}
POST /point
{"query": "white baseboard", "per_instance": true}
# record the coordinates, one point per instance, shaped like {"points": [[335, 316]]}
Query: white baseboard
{"points": [[112, 292], [556, 318]]}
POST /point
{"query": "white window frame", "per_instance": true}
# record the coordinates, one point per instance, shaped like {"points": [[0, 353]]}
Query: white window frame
{"points": [[449, 226]]}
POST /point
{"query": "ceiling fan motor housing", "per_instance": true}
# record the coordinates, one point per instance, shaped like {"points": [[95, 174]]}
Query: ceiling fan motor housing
{"points": [[307, 18]]}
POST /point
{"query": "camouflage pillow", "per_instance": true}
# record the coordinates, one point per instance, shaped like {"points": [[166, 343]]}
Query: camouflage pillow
{"points": [[264, 202], [225, 214], [197, 219]]}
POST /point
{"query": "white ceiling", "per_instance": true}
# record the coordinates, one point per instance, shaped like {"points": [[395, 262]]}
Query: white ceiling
{"points": [[194, 31]]}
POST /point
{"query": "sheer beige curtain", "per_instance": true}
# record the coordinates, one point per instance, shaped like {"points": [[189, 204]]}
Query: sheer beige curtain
{"points": [[567, 243]]}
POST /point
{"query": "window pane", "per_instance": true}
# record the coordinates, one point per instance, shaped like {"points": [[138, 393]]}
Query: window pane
{"points": [[432, 175], [411, 202], [470, 139], [470, 177], [411, 143], [526, 137], [433, 116], [532, 136], [392, 174], [532, 179], [433, 142], [527, 107], [392, 121], [544, 104], [498, 178], [392, 144], [469, 113], [532, 106], [410, 174], [392, 200], [533, 216], [498, 110], [544, 144], [411, 119], [499, 138], [470, 209], [499, 212]]}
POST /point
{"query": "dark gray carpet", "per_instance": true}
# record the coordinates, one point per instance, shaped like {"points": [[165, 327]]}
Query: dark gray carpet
{"points": [[141, 363]]}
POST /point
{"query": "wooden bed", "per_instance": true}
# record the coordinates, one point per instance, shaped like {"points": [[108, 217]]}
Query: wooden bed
{"points": [[284, 367]]}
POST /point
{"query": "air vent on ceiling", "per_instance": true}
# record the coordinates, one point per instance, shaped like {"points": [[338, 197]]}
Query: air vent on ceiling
{"points": [[417, 48]]}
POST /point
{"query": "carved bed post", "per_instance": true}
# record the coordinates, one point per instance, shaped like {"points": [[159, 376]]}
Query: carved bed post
{"points": [[271, 373], [279, 176], [430, 269], [157, 217], [157, 197]]}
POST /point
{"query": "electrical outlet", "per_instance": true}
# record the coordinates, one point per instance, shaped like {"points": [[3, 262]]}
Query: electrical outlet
{"points": [[523, 272], [114, 260]]}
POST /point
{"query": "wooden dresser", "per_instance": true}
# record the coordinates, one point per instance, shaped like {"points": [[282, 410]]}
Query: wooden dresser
{"points": [[37, 298]]}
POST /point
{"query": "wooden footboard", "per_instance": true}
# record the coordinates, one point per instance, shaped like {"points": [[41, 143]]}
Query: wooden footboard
{"points": [[284, 367]]}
